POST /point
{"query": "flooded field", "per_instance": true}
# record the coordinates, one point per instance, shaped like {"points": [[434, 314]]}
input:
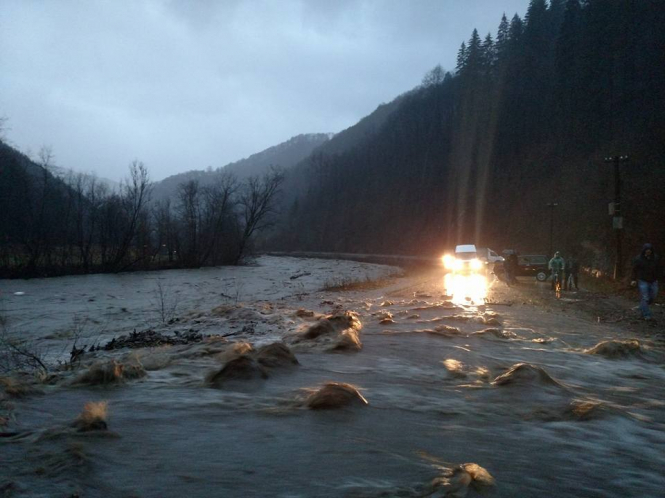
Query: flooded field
{"points": [[544, 400]]}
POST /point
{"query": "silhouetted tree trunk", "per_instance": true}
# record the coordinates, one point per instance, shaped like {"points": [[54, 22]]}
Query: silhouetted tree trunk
{"points": [[257, 201]]}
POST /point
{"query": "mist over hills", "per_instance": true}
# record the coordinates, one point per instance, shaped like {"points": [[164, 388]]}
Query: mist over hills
{"points": [[283, 155]]}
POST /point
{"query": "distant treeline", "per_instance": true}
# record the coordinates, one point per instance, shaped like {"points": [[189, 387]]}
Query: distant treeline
{"points": [[526, 120], [52, 225]]}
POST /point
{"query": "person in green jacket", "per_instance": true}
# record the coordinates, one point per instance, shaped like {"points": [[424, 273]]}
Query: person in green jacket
{"points": [[556, 266]]}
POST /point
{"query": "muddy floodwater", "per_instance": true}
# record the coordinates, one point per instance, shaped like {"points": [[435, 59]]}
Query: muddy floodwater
{"points": [[545, 397]]}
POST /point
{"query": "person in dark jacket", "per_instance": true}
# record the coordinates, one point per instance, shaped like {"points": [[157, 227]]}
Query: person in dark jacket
{"points": [[646, 272], [514, 267], [572, 273]]}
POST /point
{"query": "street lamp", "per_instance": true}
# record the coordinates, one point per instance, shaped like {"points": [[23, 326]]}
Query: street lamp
{"points": [[552, 205]]}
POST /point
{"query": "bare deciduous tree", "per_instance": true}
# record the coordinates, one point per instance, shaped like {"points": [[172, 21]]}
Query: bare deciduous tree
{"points": [[257, 204]]}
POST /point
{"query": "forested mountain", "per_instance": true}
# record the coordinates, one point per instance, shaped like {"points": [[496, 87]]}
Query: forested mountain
{"points": [[281, 156], [526, 120]]}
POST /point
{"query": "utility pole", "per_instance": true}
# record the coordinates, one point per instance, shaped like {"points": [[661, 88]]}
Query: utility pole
{"points": [[552, 205], [616, 211]]}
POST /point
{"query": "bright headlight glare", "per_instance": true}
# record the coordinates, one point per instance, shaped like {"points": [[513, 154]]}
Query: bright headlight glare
{"points": [[448, 261], [476, 264], [458, 264]]}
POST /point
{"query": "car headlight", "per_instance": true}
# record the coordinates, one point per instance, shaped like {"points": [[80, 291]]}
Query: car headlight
{"points": [[448, 262], [476, 264]]}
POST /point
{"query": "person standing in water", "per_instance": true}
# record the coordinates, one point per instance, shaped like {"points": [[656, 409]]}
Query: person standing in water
{"points": [[646, 272]]}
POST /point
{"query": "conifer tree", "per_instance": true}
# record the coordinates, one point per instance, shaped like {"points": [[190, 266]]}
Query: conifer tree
{"points": [[488, 53], [461, 58], [474, 57], [502, 37]]}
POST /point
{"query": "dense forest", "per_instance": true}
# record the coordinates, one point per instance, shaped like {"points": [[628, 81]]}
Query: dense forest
{"points": [[526, 120]]}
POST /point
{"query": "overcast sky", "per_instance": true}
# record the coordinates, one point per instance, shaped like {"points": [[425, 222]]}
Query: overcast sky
{"points": [[186, 84]]}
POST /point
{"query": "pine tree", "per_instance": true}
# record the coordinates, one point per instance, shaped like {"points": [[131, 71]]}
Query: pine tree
{"points": [[515, 31], [488, 52], [474, 55], [502, 37], [461, 58], [536, 28]]}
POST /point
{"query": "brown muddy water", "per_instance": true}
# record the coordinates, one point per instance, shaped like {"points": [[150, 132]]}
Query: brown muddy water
{"points": [[520, 390]]}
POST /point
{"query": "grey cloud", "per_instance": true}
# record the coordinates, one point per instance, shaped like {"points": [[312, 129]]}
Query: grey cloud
{"points": [[183, 85]]}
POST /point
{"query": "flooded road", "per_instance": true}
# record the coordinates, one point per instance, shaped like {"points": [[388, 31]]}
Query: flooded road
{"points": [[514, 387]]}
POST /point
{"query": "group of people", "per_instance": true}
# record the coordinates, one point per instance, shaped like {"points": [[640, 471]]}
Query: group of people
{"points": [[647, 270], [565, 272]]}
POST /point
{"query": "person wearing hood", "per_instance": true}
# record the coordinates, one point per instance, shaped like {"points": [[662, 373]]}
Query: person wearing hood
{"points": [[572, 273], [646, 272], [556, 266]]}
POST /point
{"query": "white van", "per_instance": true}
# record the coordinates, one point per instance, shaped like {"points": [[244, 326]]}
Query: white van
{"points": [[466, 259], [489, 256]]}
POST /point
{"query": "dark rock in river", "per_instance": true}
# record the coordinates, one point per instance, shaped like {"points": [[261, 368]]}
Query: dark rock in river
{"points": [[335, 395]]}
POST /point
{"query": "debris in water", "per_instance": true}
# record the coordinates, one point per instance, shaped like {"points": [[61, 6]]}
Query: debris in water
{"points": [[92, 418], [150, 338], [441, 331], [494, 332], [276, 355], [336, 332], [454, 367], [240, 368], [111, 372], [14, 388], [525, 374], [615, 349], [455, 483]]}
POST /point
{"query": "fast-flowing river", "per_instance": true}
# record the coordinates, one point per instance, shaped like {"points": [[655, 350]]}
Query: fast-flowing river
{"points": [[440, 381]]}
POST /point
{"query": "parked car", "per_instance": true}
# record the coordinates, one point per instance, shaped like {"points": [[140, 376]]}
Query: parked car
{"points": [[528, 265], [533, 265]]}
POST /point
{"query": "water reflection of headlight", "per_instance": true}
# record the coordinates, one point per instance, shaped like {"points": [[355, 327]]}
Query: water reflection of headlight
{"points": [[465, 288]]}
